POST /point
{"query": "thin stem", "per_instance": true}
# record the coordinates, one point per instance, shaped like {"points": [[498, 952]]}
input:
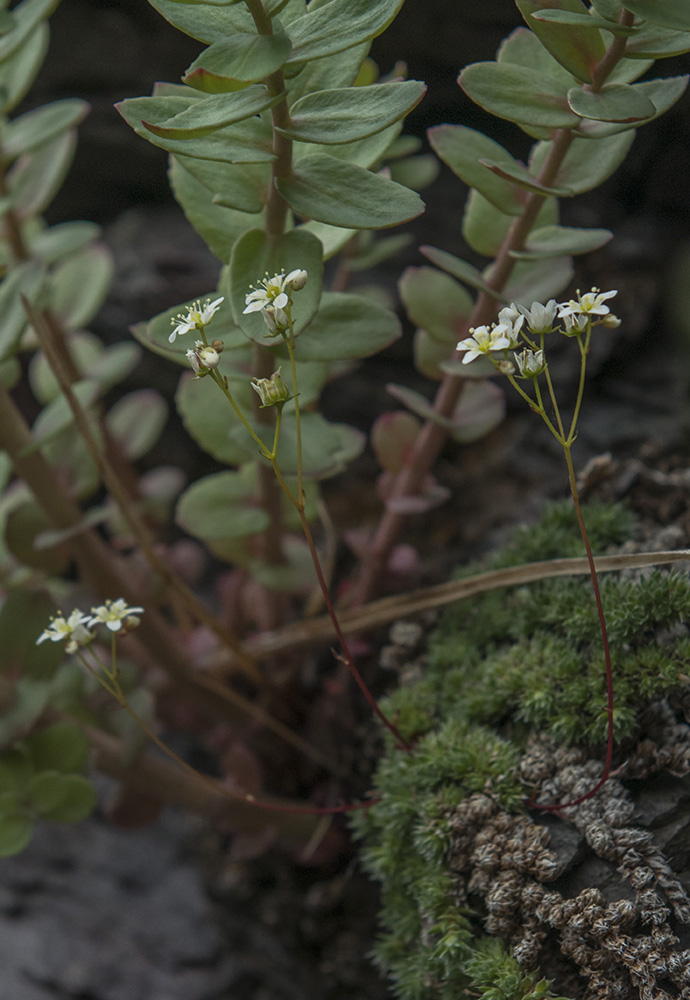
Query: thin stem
{"points": [[290, 343], [119, 494], [217, 786], [349, 661], [222, 384], [605, 644], [584, 351]]}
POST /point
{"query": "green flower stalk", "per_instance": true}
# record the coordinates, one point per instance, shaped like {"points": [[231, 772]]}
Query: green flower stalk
{"points": [[529, 328]]}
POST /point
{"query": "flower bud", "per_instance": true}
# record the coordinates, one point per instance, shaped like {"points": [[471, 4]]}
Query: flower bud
{"points": [[271, 391], [530, 363], [297, 279]]}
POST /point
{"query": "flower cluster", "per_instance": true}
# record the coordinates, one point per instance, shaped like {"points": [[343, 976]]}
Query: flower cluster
{"points": [[197, 318], [509, 332], [272, 298], [77, 629]]}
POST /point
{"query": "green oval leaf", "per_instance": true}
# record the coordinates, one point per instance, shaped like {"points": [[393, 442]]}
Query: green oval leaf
{"points": [[19, 70], [79, 285], [35, 179], [34, 128], [207, 22], [244, 58], [616, 102], [585, 167], [662, 93], [136, 421], [462, 149], [517, 174], [222, 507], [577, 48], [673, 14], [556, 241], [61, 798], [351, 113], [485, 228], [460, 269], [345, 328], [209, 419], [256, 254], [63, 239], [339, 24], [217, 225], [249, 142], [61, 746], [436, 302], [341, 194], [207, 115], [519, 94], [654, 42], [242, 186]]}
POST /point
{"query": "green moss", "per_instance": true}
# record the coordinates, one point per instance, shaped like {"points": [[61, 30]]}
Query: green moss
{"points": [[500, 666]]}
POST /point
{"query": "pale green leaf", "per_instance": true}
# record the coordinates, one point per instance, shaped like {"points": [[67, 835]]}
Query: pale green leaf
{"points": [[249, 142], [462, 149], [219, 226], [485, 228], [460, 269], [346, 327], [338, 70], [436, 302], [519, 94], [242, 186], [616, 102], [26, 17], [80, 284], [26, 279], [578, 49], [663, 94], [523, 48], [42, 125], [585, 165], [429, 354], [351, 113], [35, 179], [515, 173], [254, 255], [338, 25], [557, 241], [207, 22], [244, 58], [344, 195], [368, 152], [576, 19], [416, 172], [18, 71], [62, 240], [332, 238], [654, 42], [537, 281], [205, 116], [222, 507], [208, 417], [673, 14], [136, 421]]}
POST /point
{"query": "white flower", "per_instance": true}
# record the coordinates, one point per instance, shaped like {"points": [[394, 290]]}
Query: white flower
{"points": [[202, 357], [484, 340], [72, 629], [196, 319], [589, 304], [274, 292], [540, 317], [530, 363], [113, 614]]}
